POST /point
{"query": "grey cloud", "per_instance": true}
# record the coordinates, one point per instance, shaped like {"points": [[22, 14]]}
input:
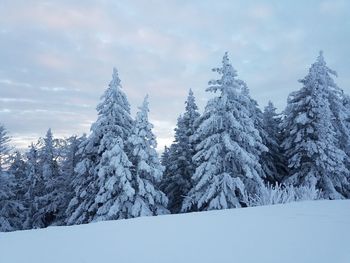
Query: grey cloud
{"points": [[162, 48]]}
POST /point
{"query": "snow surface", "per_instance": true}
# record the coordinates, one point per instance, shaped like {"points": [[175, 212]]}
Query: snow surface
{"points": [[315, 231]]}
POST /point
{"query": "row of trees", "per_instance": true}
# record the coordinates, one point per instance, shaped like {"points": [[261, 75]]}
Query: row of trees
{"points": [[222, 158]]}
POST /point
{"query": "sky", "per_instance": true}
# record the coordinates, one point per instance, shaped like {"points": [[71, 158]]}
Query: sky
{"points": [[56, 57]]}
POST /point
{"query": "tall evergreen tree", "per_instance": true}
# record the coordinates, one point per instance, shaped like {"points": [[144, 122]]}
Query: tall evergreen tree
{"points": [[11, 206], [49, 201], [164, 159], [103, 157], [34, 187], [17, 165], [147, 171], [227, 156], [310, 141], [339, 104], [4, 146], [273, 161], [180, 168], [11, 209]]}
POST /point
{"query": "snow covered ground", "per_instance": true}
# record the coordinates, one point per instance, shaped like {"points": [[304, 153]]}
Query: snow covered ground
{"points": [[316, 231]]}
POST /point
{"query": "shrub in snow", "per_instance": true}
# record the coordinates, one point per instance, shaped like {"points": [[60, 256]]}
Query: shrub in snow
{"points": [[281, 194]]}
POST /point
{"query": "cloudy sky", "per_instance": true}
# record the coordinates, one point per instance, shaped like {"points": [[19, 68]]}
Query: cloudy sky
{"points": [[56, 57]]}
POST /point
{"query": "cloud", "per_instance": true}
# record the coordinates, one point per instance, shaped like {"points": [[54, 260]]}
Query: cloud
{"points": [[58, 55], [54, 89], [17, 100], [10, 82]]}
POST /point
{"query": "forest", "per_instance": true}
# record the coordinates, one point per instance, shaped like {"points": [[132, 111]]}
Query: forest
{"points": [[232, 155]]}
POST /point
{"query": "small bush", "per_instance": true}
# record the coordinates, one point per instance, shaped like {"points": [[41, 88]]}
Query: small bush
{"points": [[281, 194]]}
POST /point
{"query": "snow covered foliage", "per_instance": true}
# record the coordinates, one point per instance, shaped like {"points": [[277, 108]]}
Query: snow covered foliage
{"points": [[51, 190], [147, 171], [339, 104], [103, 158], [281, 194], [229, 147], [11, 209], [180, 167], [4, 146], [273, 161], [310, 138], [34, 187]]}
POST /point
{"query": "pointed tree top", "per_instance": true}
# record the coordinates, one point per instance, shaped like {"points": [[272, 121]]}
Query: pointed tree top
{"points": [[49, 133], [320, 58], [143, 109], [226, 60], [115, 82], [145, 103], [270, 107], [190, 102]]}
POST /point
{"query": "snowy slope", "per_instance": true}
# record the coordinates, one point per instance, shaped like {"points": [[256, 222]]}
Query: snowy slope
{"points": [[317, 231]]}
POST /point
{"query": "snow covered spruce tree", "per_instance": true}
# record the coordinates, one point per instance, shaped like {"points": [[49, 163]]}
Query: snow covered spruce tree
{"points": [[4, 145], [228, 153], [104, 163], [272, 172], [310, 138], [49, 201], [11, 206], [177, 180], [339, 104], [146, 171], [11, 209], [273, 161], [34, 187]]}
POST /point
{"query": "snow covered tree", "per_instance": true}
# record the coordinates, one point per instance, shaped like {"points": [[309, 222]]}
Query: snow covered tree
{"points": [[273, 161], [17, 165], [11, 209], [229, 147], [180, 168], [342, 121], [310, 138], [102, 157], [147, 171], [83, 184], [339, 104], [4, 146], [164, 159], [49, 201], [272, 171], [34, 187]]}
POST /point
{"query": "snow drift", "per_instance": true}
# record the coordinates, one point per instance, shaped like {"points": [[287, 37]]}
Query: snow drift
{"points": [[315, 231]]}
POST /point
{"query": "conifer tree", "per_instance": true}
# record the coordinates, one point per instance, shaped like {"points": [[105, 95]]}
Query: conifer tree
{"points": [[229, 146], [49, 199], [34, 187], [310, 138], [273, 161], [11, 209], [4, 146], [11, 206], [147, 171], [102, 153], [180, 168]]}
